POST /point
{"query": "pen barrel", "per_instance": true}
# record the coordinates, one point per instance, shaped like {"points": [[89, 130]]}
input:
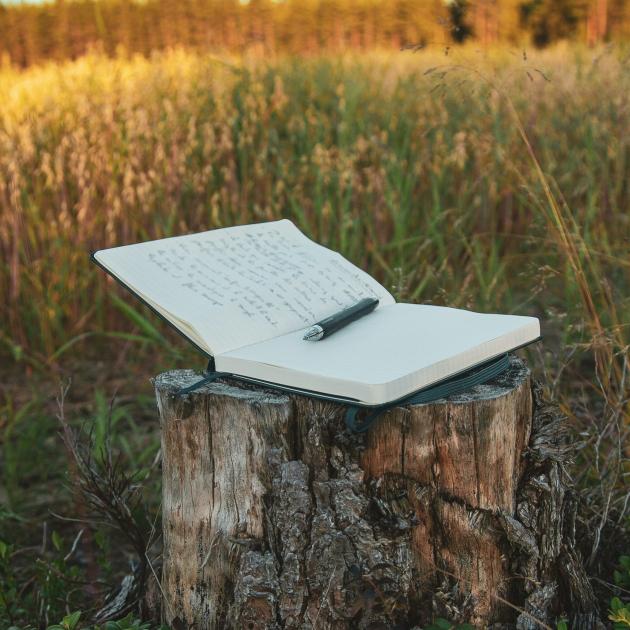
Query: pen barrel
{"points": [[340, 320]]}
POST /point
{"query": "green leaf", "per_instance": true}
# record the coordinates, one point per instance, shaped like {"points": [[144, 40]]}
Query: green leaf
{"points": [[139, 320], [108, 335], [3, 549], [562, 625], [71, 621], [56, 540], [101, 539], [443, 624], [624, 561], [621, 579], [18, 352], [616, 604]]}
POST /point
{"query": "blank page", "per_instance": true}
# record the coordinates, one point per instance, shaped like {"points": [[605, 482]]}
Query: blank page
{"points": [[385, 355], [236, 286]]}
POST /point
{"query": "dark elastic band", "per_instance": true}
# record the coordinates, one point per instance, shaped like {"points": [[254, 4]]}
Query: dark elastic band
{"points": [[208, 378], [456, 385]]}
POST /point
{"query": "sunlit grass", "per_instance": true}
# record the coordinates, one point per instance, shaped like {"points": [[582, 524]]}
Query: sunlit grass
{"points": [[415, 166]]}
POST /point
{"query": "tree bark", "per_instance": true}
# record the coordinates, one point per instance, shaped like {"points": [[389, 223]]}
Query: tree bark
{"points": [[275, 516]]}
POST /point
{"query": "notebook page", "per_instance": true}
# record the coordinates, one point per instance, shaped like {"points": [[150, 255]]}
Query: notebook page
{"points": [[385, 355], [237, 286]]}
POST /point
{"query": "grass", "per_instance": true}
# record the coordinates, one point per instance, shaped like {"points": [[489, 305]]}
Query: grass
{"points": [[496, 181], [430, 171]]}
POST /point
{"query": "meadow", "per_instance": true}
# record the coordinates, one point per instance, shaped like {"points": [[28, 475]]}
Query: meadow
{"points": [[491, 180]]}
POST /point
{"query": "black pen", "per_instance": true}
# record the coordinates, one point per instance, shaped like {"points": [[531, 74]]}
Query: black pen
{"points": [[336, 322]]}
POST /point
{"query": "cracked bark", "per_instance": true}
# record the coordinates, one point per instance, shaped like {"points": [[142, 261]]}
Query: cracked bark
{"points": [[274, 516]]}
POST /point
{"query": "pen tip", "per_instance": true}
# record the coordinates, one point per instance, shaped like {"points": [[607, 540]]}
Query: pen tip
{"points": [[312, 334]]}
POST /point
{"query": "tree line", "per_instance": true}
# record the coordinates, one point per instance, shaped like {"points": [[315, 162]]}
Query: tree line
{"points": [[30, 33]]}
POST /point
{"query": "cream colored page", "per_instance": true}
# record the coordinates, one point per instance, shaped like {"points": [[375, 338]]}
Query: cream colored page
{"points": [[385, 355], [242, 285]]}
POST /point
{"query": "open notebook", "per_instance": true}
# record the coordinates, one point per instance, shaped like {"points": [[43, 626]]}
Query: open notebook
{"points": [[245, 296]]}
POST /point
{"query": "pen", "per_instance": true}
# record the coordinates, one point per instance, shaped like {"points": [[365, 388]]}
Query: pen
{"points": [[337, 321]]}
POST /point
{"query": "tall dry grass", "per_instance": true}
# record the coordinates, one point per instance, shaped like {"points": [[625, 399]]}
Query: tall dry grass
{"points": [[491, 181]]}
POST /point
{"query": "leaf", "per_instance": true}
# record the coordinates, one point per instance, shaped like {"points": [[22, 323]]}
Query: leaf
{"points": [[56, 540], [615, 604], [16, 350], [3, 549], [101, 540], [71, 621], [562, 625], [78, 338], [139, 320], [621, 618]]}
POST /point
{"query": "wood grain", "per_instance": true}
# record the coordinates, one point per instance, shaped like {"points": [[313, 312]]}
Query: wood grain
{"points": [[275, 516]]}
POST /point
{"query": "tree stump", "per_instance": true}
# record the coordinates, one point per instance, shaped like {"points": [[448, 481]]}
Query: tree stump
{"points": [[275, 516]]}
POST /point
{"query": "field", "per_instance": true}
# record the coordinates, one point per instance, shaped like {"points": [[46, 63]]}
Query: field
{"points": [[497, 181]]}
